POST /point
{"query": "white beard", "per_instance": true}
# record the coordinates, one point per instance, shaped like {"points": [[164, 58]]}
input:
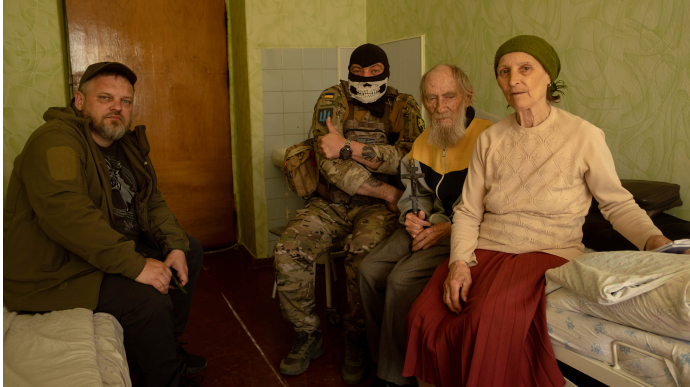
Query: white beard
{"points": [[368, 92], [447, 136]]}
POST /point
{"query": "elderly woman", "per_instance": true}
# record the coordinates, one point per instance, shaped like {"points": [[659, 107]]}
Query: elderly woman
{"points": [[529, 186]]}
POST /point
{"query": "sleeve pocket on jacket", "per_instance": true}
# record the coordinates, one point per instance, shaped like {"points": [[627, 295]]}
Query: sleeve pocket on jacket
{"points": [[62, 163]]}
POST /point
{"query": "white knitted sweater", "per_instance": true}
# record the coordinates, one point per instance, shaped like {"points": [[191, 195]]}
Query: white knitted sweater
{"points": [[529, 189]]}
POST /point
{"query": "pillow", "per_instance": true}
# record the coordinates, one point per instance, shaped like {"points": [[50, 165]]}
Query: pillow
{"points": [[664, 310], [610, 277]]}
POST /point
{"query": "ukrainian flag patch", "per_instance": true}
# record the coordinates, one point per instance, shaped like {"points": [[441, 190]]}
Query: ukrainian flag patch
{"points": [[329, 95]]}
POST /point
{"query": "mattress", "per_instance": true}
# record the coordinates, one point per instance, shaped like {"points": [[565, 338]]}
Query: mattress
{"points": [[592, 337], [65, 348], [664, 310]]}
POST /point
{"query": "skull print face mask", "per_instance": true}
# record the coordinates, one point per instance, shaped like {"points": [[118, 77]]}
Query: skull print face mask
{"points": [[369, 90]]}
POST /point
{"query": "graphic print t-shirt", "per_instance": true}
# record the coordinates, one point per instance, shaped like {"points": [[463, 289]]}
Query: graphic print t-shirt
{"points": [[124, 189]]}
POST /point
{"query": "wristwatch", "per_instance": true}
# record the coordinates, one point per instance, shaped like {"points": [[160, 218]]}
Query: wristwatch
{"points": [[346, 151]]}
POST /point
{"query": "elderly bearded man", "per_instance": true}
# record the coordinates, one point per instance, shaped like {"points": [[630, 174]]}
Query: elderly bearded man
{"points": [[363, 128], [396, 271], [86, 227]]}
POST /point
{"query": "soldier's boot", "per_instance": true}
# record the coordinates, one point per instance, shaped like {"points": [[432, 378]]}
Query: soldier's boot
{"points": [[356, 360], [307, 346]]}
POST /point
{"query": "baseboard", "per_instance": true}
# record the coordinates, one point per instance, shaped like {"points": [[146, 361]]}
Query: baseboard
{"points": [[254, 262], [241, 249]]}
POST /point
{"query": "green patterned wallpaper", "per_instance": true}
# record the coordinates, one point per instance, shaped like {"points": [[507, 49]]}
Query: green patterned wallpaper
{"points": [[34, 76], [627, 64], [290, 24]]}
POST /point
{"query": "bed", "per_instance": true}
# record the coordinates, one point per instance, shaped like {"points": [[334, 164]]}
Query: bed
{"points": [[615, 354], [632, 341], [73, 347]]}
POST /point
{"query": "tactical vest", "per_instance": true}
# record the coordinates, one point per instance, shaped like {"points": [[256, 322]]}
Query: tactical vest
{"points": [[369, 133]]}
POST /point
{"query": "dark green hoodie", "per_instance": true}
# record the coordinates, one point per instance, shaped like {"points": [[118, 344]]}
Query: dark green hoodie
{"points": [[58, 234]]}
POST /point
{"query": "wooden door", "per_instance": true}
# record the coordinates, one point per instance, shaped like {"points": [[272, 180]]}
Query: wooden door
{"points": [[178, 49]]}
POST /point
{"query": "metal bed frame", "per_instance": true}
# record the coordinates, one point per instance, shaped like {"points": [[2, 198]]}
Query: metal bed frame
{"points": [[609, 375]]}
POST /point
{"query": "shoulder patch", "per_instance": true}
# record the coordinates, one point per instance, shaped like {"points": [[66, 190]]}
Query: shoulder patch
{"points": [[62, 163], [329, 95], [323, 113], [420, 124]]}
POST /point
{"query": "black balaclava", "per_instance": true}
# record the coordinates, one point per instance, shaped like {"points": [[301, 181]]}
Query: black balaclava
{"points": [[369, 91]]}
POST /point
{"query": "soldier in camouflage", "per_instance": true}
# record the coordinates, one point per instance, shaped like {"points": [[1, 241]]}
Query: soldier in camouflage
{"points": [[362, 129]]}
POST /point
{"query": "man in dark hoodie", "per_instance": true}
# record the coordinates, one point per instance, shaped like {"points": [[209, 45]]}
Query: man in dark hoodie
{"points": [[86, 227]]}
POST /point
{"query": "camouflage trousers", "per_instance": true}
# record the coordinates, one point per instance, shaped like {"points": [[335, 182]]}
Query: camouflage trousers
{"points": [[311, 233]]}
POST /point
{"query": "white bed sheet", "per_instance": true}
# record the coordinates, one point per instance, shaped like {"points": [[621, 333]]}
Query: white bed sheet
{"points": [[65, 348], [592, 337], [110, 347]]}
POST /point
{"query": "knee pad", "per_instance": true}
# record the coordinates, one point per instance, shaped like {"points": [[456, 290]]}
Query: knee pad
{"points": [[288, 258]]}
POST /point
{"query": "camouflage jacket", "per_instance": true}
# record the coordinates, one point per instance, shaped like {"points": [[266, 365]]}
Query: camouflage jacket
{"points": [[406, 125]]}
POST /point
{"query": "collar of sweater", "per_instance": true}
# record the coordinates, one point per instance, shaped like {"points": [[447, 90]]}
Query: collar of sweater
{"points": [[535, 129]]}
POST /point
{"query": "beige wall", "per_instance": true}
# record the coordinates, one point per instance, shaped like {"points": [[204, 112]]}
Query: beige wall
{"points": [[627, 64]]}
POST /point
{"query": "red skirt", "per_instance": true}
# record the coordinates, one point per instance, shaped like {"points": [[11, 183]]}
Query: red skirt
{"points": [[499, 339]]}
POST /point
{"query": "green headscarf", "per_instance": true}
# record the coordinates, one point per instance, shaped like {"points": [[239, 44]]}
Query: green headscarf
{"points": [[541, 50]]}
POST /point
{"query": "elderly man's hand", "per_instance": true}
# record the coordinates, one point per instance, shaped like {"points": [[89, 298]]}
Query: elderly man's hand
{"points": [[656, 241], [432, 236], [414, 224], [457, 285], [331, 144]]}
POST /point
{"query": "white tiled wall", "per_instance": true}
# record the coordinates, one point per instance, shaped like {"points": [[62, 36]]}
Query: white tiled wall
{"points": [[293, 79]]}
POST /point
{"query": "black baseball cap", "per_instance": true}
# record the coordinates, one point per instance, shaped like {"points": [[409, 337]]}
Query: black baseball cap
{"points": [[114, 67]]}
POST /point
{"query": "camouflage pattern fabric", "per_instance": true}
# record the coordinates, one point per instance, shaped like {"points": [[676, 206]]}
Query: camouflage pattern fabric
{"points": [[311, 233], [348, 175]]}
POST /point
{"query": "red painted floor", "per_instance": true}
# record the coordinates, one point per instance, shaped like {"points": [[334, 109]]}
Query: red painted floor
{"points": [[234, 359]]}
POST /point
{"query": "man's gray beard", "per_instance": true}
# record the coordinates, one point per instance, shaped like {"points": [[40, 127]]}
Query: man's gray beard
{"points": [[447, 136], [110, 132]]}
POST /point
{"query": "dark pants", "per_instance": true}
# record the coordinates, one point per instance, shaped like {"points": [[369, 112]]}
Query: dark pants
{"points": [[390, 279], [152, 322]]}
